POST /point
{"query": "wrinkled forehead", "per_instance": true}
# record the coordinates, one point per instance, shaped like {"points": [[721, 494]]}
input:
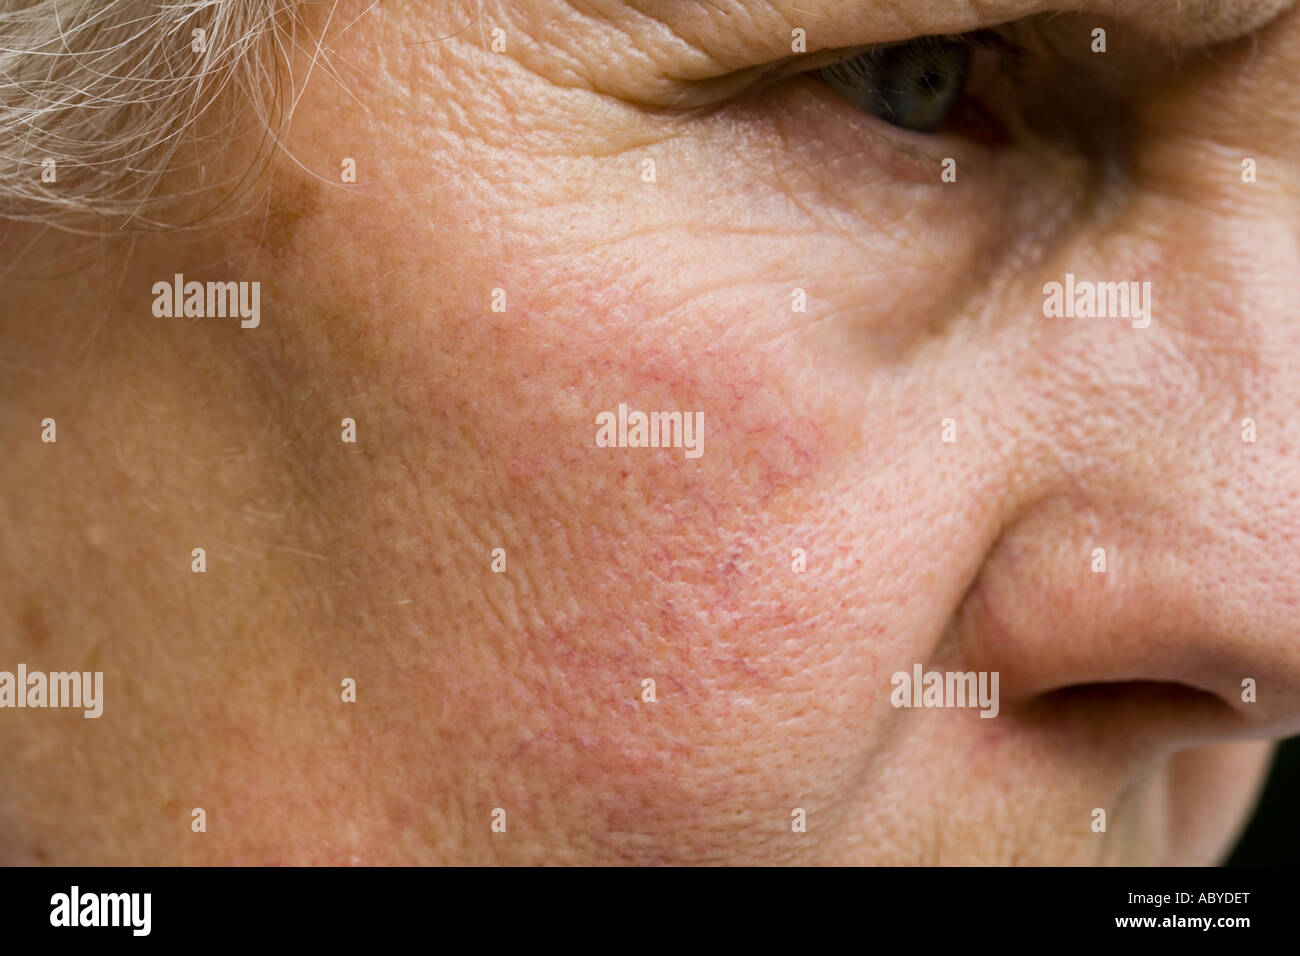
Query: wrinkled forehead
{"points": [[728, 28]]}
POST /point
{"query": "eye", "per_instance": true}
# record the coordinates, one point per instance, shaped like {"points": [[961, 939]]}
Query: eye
{"points": [[913, 85]]}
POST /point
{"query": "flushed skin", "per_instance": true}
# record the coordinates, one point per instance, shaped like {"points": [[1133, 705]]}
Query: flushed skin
{"points": [[523, 170]]}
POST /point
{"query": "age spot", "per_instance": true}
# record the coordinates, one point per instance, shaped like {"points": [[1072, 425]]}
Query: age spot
{"points": [[33, 623]]}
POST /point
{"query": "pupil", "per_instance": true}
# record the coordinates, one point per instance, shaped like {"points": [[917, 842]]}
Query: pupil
{"points": [[911, 85]]}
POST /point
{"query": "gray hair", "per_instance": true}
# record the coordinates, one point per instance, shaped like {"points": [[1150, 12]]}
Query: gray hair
{"points": [[105, 96]]}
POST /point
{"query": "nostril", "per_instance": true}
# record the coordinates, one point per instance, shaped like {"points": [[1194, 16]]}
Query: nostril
{"points": [[1164, 630], [1153, 692], [1141, 712]]}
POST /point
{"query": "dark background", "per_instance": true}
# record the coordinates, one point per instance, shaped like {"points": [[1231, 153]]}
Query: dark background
{"points": [[1273, 836]]}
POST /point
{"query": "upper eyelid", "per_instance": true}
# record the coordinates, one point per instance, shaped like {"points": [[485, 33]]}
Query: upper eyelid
{"points": [[691, 95], [996, 38], [798, 63], [708, 94]]}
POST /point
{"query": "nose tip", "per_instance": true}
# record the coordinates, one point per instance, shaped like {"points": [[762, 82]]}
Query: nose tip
{"points": [[1196, 615]]}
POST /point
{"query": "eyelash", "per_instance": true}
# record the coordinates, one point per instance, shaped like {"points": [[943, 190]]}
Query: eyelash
{"points": [[857, 78]]}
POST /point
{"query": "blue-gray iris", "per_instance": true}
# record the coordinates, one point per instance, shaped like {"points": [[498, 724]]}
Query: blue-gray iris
{"points": [[912, 85]]}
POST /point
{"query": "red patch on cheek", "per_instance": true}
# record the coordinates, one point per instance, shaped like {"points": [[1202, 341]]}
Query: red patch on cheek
{"points": [[756, 426]]}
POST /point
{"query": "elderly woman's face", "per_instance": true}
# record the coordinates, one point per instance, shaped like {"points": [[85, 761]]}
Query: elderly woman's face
{"points": [[901, 450]]}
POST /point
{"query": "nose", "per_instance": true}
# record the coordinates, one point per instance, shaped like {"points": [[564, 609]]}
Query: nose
{"points": [[1157, 563]]}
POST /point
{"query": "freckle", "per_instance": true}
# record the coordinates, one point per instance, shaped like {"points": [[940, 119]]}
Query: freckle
{"points": [[292, 201], [39, 853], [33, 622], [399, 813]]}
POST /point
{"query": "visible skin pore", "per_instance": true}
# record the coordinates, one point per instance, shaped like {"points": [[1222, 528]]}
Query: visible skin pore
{"points": [[522, 170]]}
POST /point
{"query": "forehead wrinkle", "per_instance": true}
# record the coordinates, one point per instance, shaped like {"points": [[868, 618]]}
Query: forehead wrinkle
{"points": [[683, 54], [1182, 22]]}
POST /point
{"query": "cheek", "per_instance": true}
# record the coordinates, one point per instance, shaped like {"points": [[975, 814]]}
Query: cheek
{"points": [[735, 581], [768, 587]]}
